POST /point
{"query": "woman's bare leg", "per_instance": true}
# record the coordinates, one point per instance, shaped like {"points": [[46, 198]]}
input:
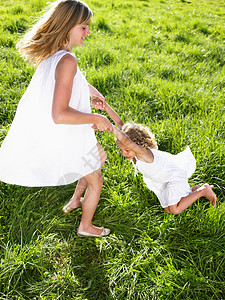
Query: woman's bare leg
{"points": [[94, 185], [82, 185], [75, 199], [198, 192]]}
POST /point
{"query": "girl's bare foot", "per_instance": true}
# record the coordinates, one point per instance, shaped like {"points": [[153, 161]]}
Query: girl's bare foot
{"points": [[72, 204], [208, 193]]}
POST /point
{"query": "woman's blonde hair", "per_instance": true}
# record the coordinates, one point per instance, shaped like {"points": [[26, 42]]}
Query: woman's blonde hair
{"points": [[51, 33], [140, 134]]}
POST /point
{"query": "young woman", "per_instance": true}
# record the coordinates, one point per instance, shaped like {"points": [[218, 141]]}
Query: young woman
{"points": [[51, 141]]}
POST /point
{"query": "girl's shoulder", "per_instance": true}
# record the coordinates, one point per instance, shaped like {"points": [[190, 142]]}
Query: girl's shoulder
{"points": [[146, 155]]}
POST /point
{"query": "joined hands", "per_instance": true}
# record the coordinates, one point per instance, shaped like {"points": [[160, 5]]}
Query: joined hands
{"points": [[104, 124]]}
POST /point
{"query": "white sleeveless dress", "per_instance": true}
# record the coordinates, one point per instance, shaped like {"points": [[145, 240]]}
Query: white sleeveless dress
{"points": [[168, 175], [38, 152]]}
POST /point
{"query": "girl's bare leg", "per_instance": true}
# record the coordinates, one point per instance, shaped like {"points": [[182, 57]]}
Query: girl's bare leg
{"points": [[195, 187], [167, 210], [198, 192]]}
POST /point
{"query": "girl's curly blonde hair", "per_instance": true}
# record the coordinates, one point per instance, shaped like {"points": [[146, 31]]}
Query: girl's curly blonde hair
{"points": [[51, 33], [140, 134]]}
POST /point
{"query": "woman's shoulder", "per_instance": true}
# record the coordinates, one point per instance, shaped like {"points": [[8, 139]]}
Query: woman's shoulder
{"points": [[67, 58], [61, 56], [66, 64]]}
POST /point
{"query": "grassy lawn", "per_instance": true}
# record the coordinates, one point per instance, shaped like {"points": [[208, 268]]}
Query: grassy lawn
{"points": [[161, 63]]}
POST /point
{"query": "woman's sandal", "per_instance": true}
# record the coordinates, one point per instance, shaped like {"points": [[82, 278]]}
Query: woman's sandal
{"points": [[105, 232], [67, 208]]}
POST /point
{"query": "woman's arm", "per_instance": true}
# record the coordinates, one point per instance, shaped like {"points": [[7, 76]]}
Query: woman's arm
{"points": [[62, 113]]}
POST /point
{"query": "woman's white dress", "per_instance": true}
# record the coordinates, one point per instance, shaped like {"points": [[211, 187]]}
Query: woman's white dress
{"points": [[38, 152], [168, 175]]}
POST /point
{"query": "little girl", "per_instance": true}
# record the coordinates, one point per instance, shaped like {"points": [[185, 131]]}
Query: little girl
{"points": [[50, 141], [165, 174]]}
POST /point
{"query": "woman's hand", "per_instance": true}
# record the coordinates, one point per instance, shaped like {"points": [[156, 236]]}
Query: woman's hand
{"points": [[102, 124]]}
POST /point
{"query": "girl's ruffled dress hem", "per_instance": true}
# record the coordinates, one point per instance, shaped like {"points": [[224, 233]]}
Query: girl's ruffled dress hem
{"points": [[168, 175]]}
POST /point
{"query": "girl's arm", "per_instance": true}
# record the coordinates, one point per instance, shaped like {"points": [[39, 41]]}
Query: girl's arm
{"points": [[113, 115], [142, 153], [95, 95], [62, 113]]}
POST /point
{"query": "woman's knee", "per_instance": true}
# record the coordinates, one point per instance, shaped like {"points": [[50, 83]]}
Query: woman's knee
{"points": [[102, 154], [99, 179], [94, 180]]}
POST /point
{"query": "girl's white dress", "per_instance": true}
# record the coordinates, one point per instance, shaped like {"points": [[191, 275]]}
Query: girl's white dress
{"points": [[38, 152], [168, 175]]}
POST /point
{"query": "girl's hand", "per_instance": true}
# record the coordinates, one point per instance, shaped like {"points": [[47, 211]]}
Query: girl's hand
{"points": [[97, 104], [95, 95], [94, 126]]}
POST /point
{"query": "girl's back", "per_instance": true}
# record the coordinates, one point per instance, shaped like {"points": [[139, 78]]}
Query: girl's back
{"points": [[168, 167]]}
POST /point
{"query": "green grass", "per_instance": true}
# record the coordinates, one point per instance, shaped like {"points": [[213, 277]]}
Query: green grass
{"points": [[160, 63]]}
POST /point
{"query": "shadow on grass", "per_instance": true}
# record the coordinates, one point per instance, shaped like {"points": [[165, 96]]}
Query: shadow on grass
{"points": [[40, 252], [148, 253]]}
